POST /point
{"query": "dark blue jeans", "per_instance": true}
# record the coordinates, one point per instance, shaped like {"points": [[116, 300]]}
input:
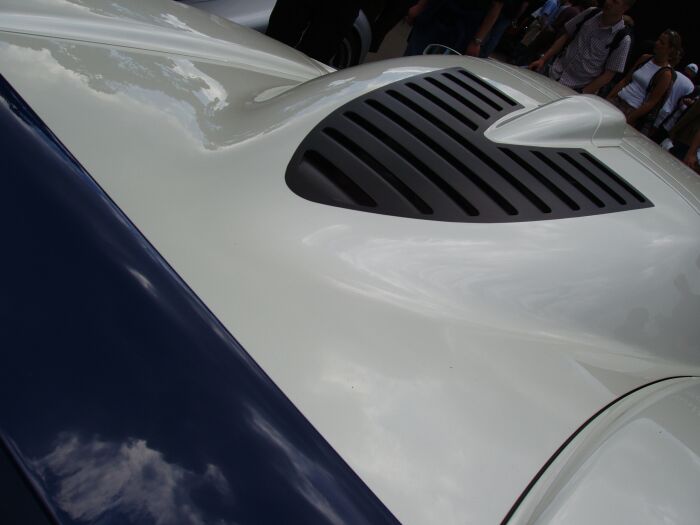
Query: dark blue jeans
{"points": [[494, 36]]}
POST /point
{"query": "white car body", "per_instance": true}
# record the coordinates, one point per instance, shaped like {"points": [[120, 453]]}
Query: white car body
{"points": [[256, 14], [445, 362], [248, 13]]}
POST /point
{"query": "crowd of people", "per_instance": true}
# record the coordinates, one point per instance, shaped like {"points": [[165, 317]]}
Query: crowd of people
{"points": [[586, 45]]}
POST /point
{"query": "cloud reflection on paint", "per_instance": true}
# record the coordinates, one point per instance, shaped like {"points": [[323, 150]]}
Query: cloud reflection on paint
{"points": [[95, 477], [308, 474]]}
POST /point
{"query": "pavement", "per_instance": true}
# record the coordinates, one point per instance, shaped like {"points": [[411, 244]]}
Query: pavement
{"points": [[394, 43]]}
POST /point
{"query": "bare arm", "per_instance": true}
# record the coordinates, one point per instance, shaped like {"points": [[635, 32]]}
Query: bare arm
{"points": [[484, 29], [691, 158], [628, 77], [414, 11], [622, 83], [598, 82], [557, 46]]}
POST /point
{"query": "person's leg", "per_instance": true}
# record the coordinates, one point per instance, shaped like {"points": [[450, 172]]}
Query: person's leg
{"points": [[424, 32], [330, 22], [393, 12], [495, 36], [435, 25], [419, 38], [468, 23], [288, 21]]}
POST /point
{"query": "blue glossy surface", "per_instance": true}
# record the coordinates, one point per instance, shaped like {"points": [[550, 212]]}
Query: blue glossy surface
{"points": [[121, 395]]}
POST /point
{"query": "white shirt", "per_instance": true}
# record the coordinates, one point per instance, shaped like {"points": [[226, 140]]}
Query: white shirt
{"points": [[635, 92], [587, 56]]}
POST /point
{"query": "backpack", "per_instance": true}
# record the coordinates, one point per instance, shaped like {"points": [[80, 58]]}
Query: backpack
{"points": [[617, 37], [647, 123], [654, 79]]}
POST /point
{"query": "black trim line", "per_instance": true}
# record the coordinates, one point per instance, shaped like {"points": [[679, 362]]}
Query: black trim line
{"points": [[566, 443]]}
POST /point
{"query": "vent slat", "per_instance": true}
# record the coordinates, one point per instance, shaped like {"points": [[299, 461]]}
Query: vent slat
{"points": [[505, 189], [488, 88], [370, 175], [417, 148], [445, 151], [573, 181], [443, 104], [603, 169], [542, 178], [458, 98], [455, 198], [324, 181], [474, 92], [384, 184], [595, 180], [406, 165]]}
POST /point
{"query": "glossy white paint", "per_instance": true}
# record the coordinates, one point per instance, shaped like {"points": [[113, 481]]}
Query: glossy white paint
{"points": [[579, 119], [256, 14], [637, 463], [683, 180], [445, 362], [160, 26], [249, 13]]}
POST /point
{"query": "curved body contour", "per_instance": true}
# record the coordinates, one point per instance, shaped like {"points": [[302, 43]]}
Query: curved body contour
{"points": [[444, 362]]}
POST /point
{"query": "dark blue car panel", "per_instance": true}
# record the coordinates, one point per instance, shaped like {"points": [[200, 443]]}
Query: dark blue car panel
{"points": [[19, 502], [122, 397]]}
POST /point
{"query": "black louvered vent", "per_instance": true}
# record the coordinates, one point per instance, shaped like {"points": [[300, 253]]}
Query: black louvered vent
{"points": [[416, 148]]}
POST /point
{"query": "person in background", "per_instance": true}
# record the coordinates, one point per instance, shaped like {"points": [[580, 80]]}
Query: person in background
{"points": [[542, 17], [314, 27], [686, 137], [569, 11], [629, 29], [458, 24], [416, 10], [393, 12], [676, 103], [549, 34], [593, 54], [511, 12], [641, 93]]}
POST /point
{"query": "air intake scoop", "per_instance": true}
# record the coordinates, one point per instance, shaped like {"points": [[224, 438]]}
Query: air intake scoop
{"points": [[420, 148], [573, 120]]}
